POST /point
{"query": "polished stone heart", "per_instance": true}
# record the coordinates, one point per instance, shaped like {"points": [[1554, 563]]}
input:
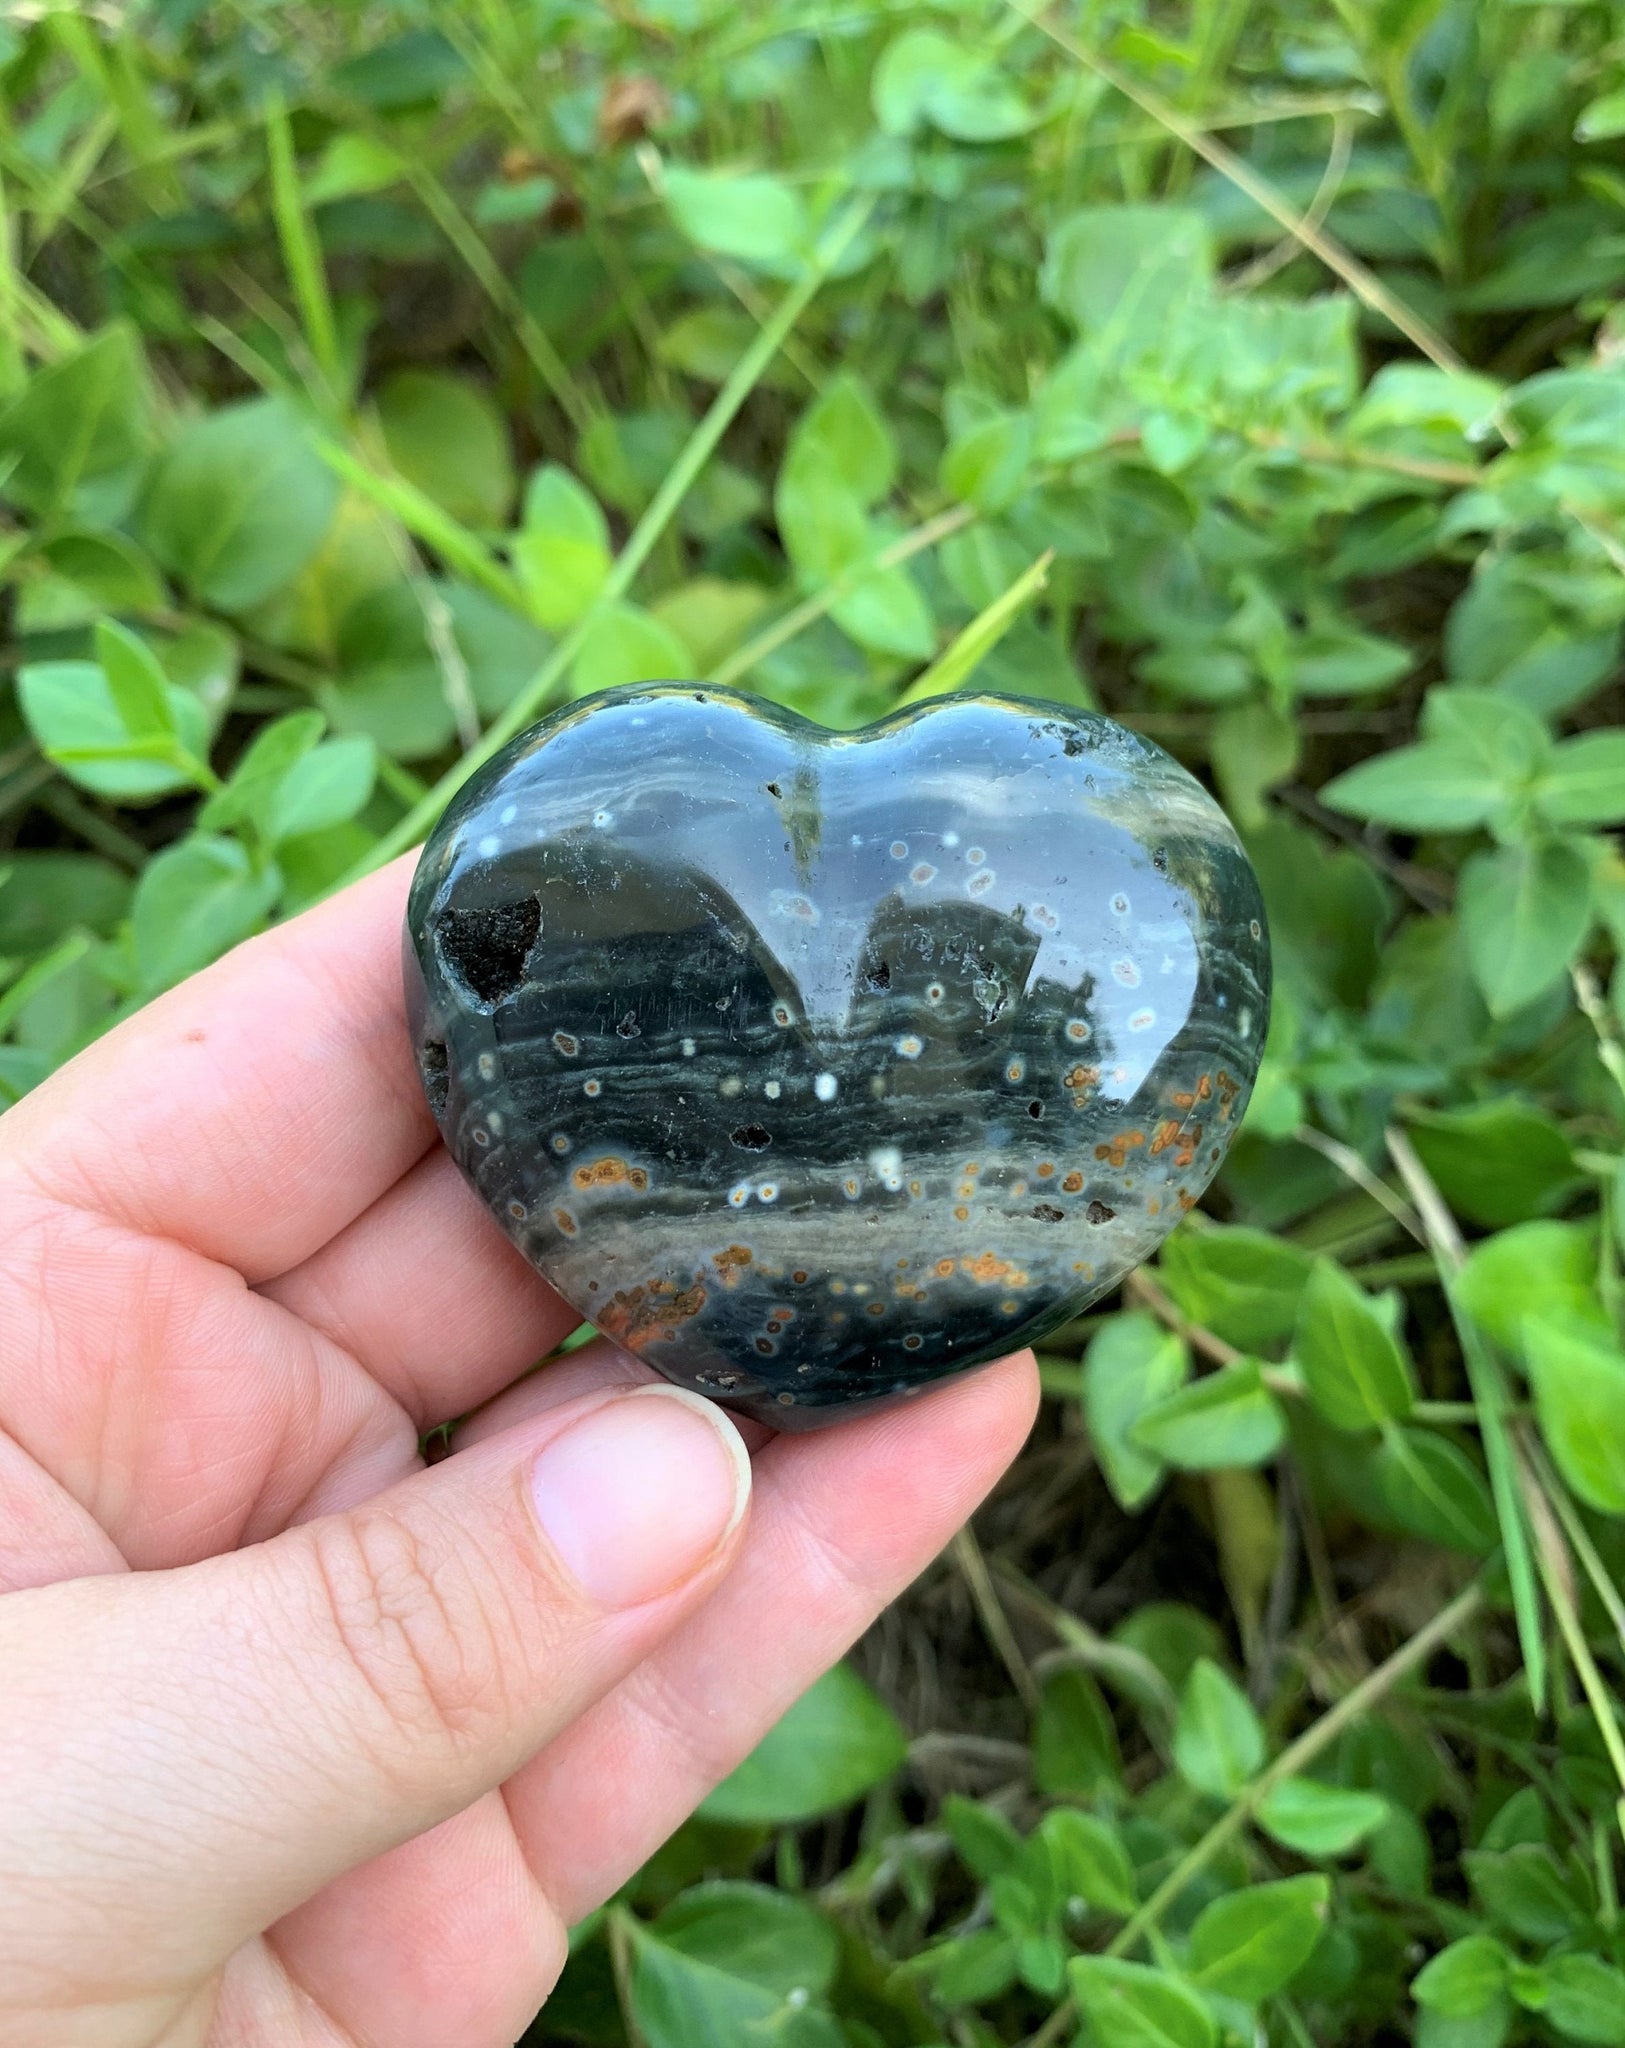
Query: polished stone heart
{"points": [[815, 1066]]}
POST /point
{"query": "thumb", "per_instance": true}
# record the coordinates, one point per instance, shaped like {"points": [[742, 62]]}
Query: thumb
{"points": [[186, 1755]]}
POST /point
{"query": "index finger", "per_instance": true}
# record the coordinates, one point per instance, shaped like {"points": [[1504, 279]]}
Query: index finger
{"points": [[257, 1109]]}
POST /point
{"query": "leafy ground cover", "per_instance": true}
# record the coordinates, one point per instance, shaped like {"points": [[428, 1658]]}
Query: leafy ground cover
{"points": [[373, 377]]}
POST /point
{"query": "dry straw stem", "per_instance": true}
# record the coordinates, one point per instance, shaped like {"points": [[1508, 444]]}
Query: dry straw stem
{"points": [[1343, 263], [972, 1565], [1292, 1762], [1365, 285]]}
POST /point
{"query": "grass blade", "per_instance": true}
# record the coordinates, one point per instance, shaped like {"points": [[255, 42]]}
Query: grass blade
{"points": [[641, 542]]}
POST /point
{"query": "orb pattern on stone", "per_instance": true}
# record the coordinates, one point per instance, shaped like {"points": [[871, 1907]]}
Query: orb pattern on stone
{"points": [[814, 1067]]}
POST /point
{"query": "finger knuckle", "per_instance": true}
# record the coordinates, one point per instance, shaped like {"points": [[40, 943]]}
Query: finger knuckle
{"points": [[409, 1619]]}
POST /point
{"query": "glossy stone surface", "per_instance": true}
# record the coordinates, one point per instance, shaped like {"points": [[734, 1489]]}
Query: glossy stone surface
{"points": [[814, 1066]]}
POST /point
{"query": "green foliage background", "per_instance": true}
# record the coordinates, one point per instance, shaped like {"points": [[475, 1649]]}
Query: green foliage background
{"points": [[374, 377]]}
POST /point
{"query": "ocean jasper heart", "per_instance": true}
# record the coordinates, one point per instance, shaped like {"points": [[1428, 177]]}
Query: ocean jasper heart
{"points": [[816, 1066]]}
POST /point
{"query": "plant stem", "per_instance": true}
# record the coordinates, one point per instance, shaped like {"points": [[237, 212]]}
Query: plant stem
{"points": [[774, 635], [1296, 1757], [301, 252], [967, 1555], [1365, 284], [640, 543], [1490, 1397], [1293, 1759], [1349, 1163], [1142, 1288], [618, 1930], [1589, 997], [545, 359], [95, 830]]}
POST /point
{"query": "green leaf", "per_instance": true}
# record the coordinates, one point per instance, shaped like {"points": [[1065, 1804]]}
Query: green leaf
{"points": [[445, 436], [973, 644], [821, 520], [1337, 661], [625, 457], [1120, 273], [1495, 1162], [349, 163], [70, 709], [924, 78], [1131, 1364], [393, 679], [140, 691], [195, 900], [1171, 1637], [1578, 1374], [1218, 1738], [627, 645], [987, 1844], [767, 1937], [1226, 1418], [1500, 733], [748, 216], [1041, 1962], [562, 551], [327, 787], [1242, 1284], [1414, 394], [836, 1742], [1171, 441], [885, 611], [74, 439], [266, 759], [1087, 1861], [845, 435], [1584, 2000], [1466, 1978], [840, 456], [683, 2001], [1353, 1366], [1602, 120], [399, 501], [986, 466], [239, 503], [360, 555], [1545, 1271], [86, 574], [707, 341], [46, 895], [1318, 1820], [1525, 910], [1511, 633], [1254, 746], [711, 617], [1075, 1753], [1523, 1890], [1128, 2005], [1427, 1486], [406, 70], [970, 1969], [1585, 782], [1432, 787], [1251, 1944]]}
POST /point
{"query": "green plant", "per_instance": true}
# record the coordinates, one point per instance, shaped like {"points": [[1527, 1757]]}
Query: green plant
{"points": [[374, 378]]}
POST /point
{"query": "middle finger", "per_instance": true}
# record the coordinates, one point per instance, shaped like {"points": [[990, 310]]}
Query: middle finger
{"points": [[429, 1296]]}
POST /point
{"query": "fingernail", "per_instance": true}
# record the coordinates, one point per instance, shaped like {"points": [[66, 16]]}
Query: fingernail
{"points": [[638, 1495]]}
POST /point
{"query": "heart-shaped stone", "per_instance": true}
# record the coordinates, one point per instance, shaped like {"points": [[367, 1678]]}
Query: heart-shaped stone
{"points": [[816, 1066]]}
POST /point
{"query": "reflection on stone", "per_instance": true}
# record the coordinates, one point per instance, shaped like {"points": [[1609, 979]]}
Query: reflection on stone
{"points": [[813, 1067]]}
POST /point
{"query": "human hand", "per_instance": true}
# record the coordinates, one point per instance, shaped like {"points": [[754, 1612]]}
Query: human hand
{"points": [[301, 1743]]}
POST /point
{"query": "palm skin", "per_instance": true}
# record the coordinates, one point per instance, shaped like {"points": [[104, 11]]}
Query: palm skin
{"points": [[239, 1280]]}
